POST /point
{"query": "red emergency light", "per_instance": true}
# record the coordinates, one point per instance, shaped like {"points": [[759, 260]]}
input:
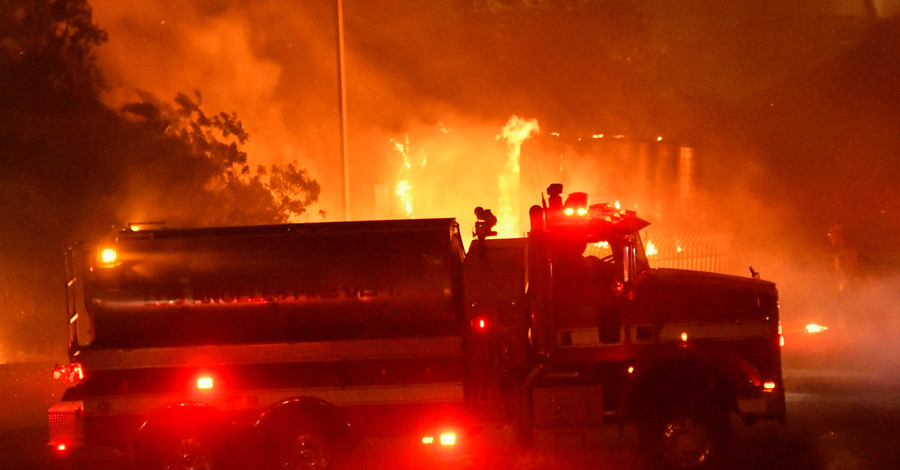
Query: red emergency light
{"points": [[446, 439], [205, 382], [480, 324]]}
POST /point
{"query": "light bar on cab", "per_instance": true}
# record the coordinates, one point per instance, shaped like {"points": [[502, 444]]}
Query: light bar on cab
{"points": [[141, 226]]}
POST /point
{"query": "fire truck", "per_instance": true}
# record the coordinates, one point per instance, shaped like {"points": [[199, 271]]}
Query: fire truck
{"points": [[298, 340]]}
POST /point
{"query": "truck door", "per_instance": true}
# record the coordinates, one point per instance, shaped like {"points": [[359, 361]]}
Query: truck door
{"points": [[586, 295], [497, 323]]}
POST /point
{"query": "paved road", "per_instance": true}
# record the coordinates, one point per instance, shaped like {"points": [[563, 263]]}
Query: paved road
{"points": [[836, 420]]}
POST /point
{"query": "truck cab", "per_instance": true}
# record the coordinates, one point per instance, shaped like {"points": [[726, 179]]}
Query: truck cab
{"points": [[609, 339]]}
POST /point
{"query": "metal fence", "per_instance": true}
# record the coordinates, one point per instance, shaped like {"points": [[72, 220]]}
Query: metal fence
{"points": [[698, 252]]}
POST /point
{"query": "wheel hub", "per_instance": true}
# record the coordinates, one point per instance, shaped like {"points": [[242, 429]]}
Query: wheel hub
{"points": [[686, 443]]}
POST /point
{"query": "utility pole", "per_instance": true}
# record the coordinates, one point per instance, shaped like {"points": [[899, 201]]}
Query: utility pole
{"points": [[342, 100]]}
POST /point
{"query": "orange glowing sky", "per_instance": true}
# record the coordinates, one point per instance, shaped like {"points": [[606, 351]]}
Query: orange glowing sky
{"points": [[416, 75]]}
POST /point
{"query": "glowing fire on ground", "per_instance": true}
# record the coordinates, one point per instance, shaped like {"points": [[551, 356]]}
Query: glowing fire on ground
{"points": [[516, 131], [814, 328]]}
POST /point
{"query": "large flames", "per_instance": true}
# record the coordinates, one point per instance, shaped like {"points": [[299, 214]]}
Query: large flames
{"points": [[404, 188], [472, 176], [480, 165], [516, 131]]}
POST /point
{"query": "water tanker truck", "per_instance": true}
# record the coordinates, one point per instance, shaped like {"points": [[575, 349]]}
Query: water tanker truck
{"points": [[299, 340]]}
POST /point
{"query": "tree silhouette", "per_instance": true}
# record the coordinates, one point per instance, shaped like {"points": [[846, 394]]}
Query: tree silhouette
{"points": [[47, 48], [214, 173], [72, 168]]}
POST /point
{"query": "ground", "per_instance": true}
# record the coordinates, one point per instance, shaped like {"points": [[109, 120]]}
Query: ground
{"points": [[837, 419]]}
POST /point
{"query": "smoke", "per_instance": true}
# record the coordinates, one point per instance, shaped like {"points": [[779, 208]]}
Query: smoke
{"points": [[275, 64], [269, 62], [735, 96], [414, 63], [862, 325]]}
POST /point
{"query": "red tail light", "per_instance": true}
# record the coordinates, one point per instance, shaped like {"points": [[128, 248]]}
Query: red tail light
{"points": [[68, 374], [480, 324]]}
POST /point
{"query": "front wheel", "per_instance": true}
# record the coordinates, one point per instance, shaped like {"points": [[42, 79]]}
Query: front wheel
{"points": [[697, 439], [304, 449]]}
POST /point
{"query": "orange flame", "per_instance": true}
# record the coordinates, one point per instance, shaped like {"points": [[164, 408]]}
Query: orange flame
{"points": [[404, 188], [814, 328], [516, 131]]}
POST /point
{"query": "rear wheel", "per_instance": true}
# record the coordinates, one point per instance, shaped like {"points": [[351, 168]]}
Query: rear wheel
{"points": [[178, 452], [304, 449]]}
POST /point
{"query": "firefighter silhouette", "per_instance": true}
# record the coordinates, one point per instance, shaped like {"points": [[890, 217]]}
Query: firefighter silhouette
{"points": [[844, 258]]}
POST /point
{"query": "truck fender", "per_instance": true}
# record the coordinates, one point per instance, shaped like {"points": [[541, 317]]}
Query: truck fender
{"points": [[662, 383], [332, 420], [681, 407], [739, 370], [303, 432], [179, 415], [169, 430]]}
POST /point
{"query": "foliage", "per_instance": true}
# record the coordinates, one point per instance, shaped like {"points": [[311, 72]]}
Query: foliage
{"points": [[72, 168], [215, 174], [47, 47]]}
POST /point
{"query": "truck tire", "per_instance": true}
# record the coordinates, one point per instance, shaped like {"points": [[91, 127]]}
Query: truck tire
{"points": [[181, 451], [306, 447], [698, 438]]}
